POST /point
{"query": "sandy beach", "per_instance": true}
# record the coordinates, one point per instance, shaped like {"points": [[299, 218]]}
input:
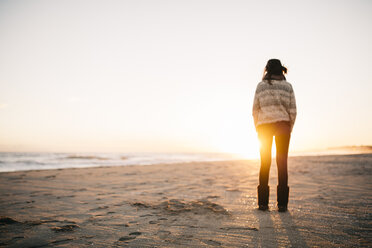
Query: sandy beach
{"points": [[198, 204]]}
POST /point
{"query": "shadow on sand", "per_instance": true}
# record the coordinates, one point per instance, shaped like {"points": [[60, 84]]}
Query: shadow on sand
{"points": [[277, 230]]}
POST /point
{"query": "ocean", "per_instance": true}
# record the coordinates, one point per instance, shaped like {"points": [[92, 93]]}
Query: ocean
{"points": [[23, 161]]}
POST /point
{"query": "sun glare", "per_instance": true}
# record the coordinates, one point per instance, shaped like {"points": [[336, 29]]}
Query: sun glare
{"points": [[242, 145], [248, 148]]}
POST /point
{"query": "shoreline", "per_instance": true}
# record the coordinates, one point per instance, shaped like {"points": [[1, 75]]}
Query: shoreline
{"points": [[188, 162]]}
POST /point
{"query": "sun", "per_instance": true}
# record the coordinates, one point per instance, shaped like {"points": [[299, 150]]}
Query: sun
{"points": [[238, 143]]}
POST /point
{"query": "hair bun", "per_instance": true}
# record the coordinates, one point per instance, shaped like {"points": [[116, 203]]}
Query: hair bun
{"points": [[284, 69]]}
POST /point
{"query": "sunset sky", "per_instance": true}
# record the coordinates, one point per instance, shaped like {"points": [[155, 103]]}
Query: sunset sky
{"points": [[179, 76]]}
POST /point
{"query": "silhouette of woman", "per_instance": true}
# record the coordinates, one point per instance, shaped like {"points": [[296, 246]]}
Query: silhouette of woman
{"points": [[274, 114]]}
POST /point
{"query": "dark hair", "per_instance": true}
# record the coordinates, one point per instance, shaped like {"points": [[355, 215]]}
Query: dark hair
{"points": [[274, 68]]}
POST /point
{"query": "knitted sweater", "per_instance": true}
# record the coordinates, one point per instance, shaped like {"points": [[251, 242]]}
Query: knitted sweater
{"points": [[273, 103]]}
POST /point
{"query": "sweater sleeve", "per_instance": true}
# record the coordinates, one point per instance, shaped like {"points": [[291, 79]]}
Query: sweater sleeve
{"points": [[256, 108], [292, 109]]}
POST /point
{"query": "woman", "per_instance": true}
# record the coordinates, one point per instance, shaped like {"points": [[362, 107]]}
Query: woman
{"points": [[274, 114]]}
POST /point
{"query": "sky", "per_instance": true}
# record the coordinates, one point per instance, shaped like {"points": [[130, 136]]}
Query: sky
{"points": [[179, 76]]}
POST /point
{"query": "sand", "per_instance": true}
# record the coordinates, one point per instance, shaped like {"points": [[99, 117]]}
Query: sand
{"points": [[199, 204]]}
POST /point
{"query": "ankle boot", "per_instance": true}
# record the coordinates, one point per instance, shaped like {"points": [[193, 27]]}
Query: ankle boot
{"points": [[263, 197], [282, 196]]}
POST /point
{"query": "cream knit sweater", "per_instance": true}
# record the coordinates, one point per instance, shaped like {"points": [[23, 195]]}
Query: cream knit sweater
{"points": [[273, 103]]}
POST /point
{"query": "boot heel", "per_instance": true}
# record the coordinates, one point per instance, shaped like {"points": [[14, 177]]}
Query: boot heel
{"points": [[282, 196], [263, 197]]}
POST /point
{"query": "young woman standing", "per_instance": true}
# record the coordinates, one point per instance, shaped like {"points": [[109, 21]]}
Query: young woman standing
{"points": [[274, 114]]}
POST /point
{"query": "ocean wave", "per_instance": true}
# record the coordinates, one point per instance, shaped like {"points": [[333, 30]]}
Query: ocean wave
{"points": [[29, 162], [85, 157], [44, 161]]}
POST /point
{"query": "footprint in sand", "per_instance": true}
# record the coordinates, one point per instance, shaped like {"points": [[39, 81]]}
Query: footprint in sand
{"points": [[213, 197], [61, 241], [126, 238], [233, 190], [99, 208], [7, 220], [131, 236], [211, 242], [145, 215], [14, 239], [65, 228]]}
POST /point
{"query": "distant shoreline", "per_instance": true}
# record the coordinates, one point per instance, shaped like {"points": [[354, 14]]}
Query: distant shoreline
{"points": [[178, 163]]}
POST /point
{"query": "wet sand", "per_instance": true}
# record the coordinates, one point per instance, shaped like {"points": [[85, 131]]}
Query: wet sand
{"points": [[199, 204]]}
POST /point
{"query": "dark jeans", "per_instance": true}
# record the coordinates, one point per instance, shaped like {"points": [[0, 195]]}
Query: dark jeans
{"points": [[282, 132]]}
